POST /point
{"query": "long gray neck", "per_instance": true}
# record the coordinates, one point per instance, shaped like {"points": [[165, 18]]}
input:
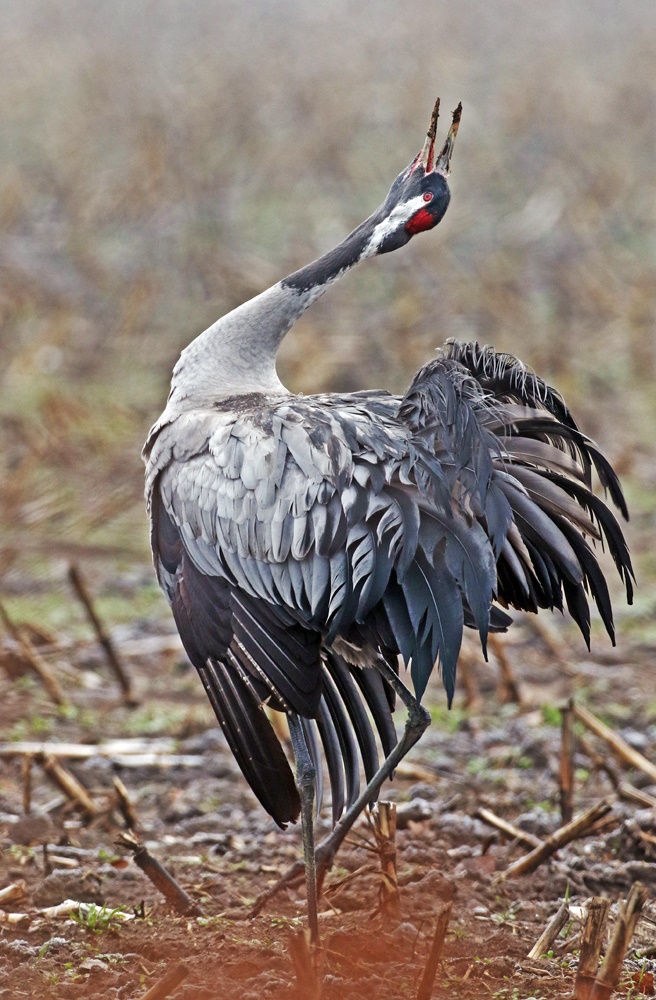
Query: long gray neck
{"points": [[237, 354]]}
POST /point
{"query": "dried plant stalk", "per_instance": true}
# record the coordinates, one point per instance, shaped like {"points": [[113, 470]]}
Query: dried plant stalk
{"points": [[467, 676], [631, 794], [557, 839], [551, 638], [167, 984], [125, 804], [611, 969], [550, 933], [508, 691], [384, 820], [566, 774], [79, 586], [129, 753], [414, 772], [160, 877], [26, 774], [12, 893], [509, 829], [67, 783], [592, 941], [625, 790], [16, 920], [430, 970], [33, 658], [619, 746]]}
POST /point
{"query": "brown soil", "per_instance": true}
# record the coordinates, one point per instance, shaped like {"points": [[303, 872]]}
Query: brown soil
{"points": [[198, 818]]}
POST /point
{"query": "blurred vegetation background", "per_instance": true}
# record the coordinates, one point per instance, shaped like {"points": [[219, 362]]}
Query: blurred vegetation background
{"points": [[161, 162]]}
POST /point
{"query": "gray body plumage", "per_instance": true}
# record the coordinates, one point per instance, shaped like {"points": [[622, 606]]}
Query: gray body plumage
{"points": [[302, 539], [365, 524]]}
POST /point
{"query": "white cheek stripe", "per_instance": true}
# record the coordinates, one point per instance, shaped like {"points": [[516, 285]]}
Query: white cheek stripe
{"points": [[397, 217]]}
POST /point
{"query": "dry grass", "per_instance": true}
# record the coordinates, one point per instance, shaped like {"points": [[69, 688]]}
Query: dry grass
{"points": [[161, 162]]}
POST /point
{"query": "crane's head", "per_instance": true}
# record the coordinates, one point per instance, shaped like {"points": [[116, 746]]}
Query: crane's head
{"points": [[419, 196]]}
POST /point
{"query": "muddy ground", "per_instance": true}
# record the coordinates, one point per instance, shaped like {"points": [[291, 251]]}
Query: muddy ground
{"points": [[197, 816]]}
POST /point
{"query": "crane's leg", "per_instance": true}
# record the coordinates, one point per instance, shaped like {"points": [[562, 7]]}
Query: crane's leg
{"points": [[416, 724], [305, 782]]}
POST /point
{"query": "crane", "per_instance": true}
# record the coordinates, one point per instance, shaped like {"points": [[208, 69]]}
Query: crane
{"points": [[310, 546]]}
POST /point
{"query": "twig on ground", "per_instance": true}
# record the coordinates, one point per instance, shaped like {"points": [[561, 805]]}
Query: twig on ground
{"points": [[12, 893], [307, 960], [13, 663], [384, 825], [414, 772], [127, 753], [508, 691], [57, 861], [577, 828], [550, 933], [75, 908], [566, 773], [631, 794], [167, 984], [26, 774], [125, 806], [509, 829], [15, 920], [611, 969], [161, 879], [430, 970], [592, 941], [33, 658], [335, 887], [550, 637], [467, 676], [79, 586], [619, 746], [623, 788], [67, 783], [63, 909]]}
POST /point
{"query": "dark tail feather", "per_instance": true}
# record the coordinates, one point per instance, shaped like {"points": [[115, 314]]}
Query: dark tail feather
{"points": [[578, 607], [374, 690], [612, 533], [252, 740], [333, 754], [595, 579], [347, 743], [288, 656], [353, 702]]}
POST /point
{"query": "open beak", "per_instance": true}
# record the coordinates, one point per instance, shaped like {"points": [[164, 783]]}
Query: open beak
{"points": [[443, 162], [425, 158]]}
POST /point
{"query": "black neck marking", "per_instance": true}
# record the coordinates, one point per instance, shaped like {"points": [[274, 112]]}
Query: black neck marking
{"points": [[342, 257]]}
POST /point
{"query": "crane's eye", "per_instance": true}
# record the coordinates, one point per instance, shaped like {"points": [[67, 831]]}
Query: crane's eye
{"points": [[428, 196]]}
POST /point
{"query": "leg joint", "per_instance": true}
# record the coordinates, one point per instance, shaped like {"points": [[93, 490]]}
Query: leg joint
{"points": [[305, 770], [306, 774], [418, 718]]}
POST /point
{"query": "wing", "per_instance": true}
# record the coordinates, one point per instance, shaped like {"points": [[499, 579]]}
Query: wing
{"points": [[248, 658], [300, 537], [332, 512], [539, 507]]}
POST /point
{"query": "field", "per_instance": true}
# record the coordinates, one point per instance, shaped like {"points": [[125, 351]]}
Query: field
{"points": [[160, 163]]}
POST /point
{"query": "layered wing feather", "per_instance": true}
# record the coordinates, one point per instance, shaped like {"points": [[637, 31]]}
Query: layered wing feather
{"points": [[284, 529]]}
